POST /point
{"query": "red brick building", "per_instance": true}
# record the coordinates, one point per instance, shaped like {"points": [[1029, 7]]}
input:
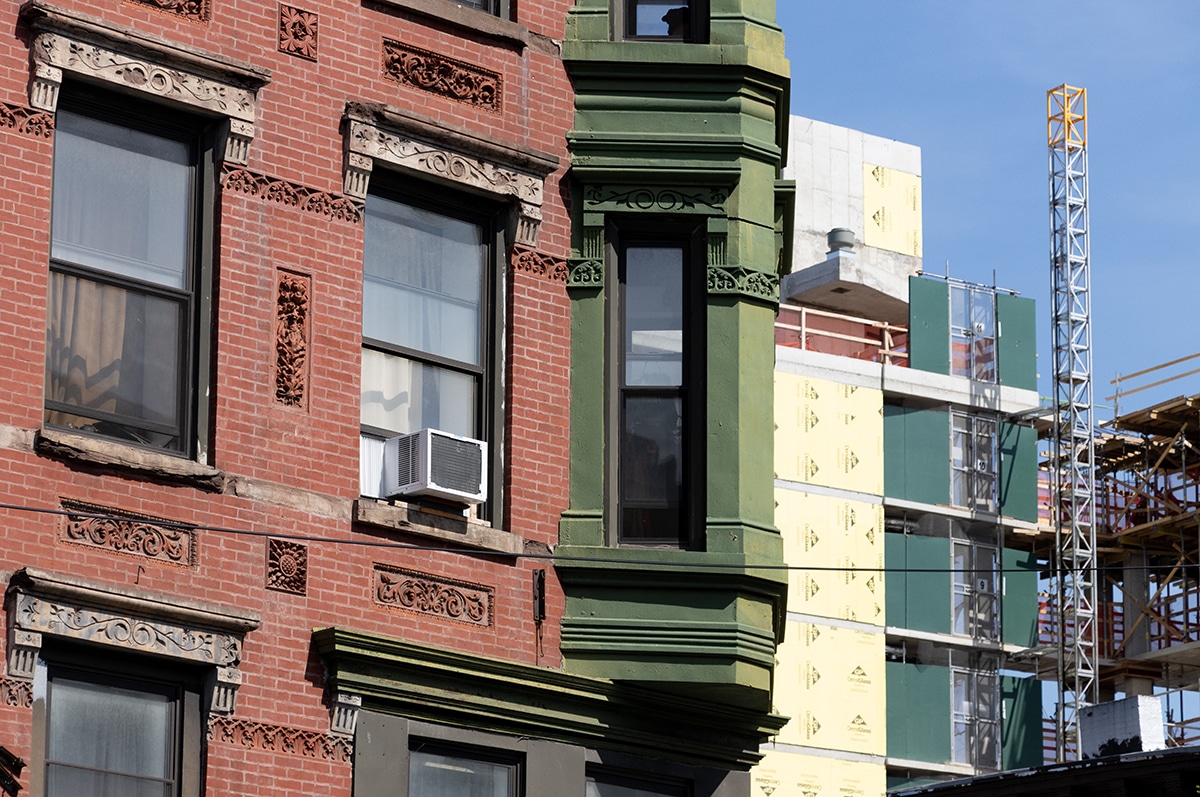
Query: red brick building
{"points": [[243, 244]]}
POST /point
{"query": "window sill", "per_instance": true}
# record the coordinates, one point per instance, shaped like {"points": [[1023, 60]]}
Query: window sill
{"points": [[467, 533], [71, 447], [456, 16]]}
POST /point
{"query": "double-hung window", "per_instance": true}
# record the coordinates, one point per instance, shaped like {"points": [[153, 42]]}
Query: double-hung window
{"points": [[428, 278], [660, 370], [128, 237], [438, 770], [109, 734]]}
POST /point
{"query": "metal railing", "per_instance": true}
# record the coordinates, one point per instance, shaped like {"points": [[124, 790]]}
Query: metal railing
{"points": [[843, 335]]}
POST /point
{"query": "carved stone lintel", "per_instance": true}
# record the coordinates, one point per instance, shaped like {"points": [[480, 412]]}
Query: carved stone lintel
{"points": [[44, 83], [23, 648], [224, 697], [343, 715], [358, 175], [529, 221]]}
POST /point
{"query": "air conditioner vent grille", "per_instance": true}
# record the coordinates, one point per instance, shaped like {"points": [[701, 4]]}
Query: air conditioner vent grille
{"points": [[408, 459], [456, 464]]}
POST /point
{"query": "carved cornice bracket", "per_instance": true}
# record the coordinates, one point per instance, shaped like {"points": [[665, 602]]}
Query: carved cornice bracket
{"points": [[747, 282], [98, 51], [586, 270], [41, 604]]}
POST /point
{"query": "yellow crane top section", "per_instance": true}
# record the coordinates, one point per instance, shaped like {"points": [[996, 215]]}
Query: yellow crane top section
{"points": [[1066, 117]]}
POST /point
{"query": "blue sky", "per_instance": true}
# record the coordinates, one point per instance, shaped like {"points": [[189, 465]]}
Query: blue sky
{"points": [[966, 81]]}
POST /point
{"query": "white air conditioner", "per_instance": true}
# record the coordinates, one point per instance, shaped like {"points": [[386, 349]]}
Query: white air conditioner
{"points": [[435, 464]]}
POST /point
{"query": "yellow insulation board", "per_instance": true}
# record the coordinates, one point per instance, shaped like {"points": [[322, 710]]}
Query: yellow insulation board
{"points": [[891, 210], [830, 681], [786, 774], [828, 434], [835, 549]]}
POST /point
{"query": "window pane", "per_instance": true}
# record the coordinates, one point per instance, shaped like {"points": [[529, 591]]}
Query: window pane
{"points": [[436, 775], [402, 396], [654, 316], [121, 200], [659, 18], [116, 353], [104, 727], [423, 280], [651, 468]]}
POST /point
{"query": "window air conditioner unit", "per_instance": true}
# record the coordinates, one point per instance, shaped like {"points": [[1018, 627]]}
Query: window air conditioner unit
{"points": [[435, 464]]}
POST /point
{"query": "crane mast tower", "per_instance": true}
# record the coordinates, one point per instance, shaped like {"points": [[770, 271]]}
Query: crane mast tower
{"points": [[1073, 446]]}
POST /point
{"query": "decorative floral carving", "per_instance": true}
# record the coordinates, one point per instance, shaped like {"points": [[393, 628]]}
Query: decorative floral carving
{"points": [[541, 265], [147, 76], [757, 284], [291, 339], [128, 533], [18, 694], [656, 199], [425, 594], [298, 32], [198, 10], [280, 739], [585, 273], [287, 566], [93, 625], [437, 74], [29, 121], [331, 206], [420, 156]]}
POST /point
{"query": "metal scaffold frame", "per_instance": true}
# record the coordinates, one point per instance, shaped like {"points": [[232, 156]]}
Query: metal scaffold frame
{"points": [[1073, 443]]}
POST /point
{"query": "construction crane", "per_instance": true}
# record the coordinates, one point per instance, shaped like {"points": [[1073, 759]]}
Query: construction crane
{"points": [[1073, 479]]}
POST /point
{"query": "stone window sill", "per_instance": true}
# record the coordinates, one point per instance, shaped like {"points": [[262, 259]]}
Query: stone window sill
{"points": [[444, 528], [73, 447], [456, 16]]}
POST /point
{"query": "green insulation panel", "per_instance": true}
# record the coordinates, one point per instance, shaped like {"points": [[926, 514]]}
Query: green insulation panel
{"points": [[1019, 609], [918, 712], [918, 584], [1016, 347], [1018, 472], [916, 454], [1021, 727], [929, 325]]}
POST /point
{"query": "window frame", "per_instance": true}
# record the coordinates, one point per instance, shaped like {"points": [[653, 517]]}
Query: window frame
{"points": [[513, 760], [970, 475], [977, 338], [691, 238], [624, 16], [81, 662], [194, 376], [489, 410], [981, 687]]}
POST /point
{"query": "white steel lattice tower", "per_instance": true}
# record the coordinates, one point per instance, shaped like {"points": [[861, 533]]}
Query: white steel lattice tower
{"points": [[1073, 454]]}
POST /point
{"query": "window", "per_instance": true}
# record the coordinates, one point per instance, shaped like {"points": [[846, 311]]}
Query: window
{"points": [[660, 365], [973, 332], [973, 462], [976, 569], [428, 279], [495, 7], [118, 734], [438, 770], [662, 20], [130, 237], [975, 697]]}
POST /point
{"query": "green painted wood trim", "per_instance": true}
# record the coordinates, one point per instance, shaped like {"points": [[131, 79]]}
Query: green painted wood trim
{"points": [[745, 282], [453, 688], [655, 198], [1019, 604], [1016, 345], [929, 325], [918, 697], [1018, 486], [1021, 725]]}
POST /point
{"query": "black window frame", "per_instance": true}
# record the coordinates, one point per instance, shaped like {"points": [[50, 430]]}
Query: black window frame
{"points": [[489, 405], [624, 24], [184, 684], [691, 238], [497, 8], [201, 134]]}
